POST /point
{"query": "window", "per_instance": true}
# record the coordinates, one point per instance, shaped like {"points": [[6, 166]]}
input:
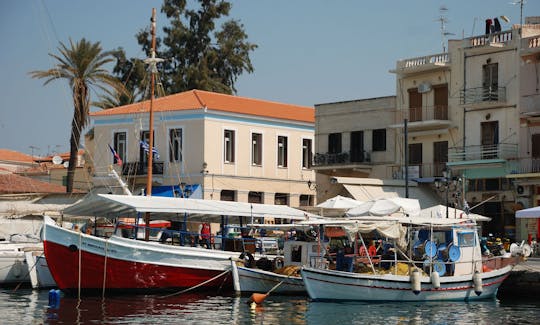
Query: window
{"points": [[227, 195], [490, 81], [175, 143], [415, 105], [228, 145], [255, 197], [357, 146], [143, 154], [307, 154], [379, 140], [282, 151], [334, 143], [281, 199], [120, 145], [256, 149], [415, 154], [306, 200]]}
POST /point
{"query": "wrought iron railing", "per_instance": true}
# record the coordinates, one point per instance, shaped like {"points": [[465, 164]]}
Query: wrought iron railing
{"points": [[481, 152], [342, 158], [426, 113], [483, 94], [141, 168], [525, 166]]}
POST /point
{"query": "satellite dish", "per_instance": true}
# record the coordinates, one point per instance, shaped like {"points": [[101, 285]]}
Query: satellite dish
{"points": [[57, 160], [66, 164]]}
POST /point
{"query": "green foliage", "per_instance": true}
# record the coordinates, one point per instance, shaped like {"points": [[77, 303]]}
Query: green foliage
{"points": [[197, 54]]}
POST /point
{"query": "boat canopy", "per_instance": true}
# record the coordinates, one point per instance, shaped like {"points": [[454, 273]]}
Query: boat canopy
{"points": [[110, 205]]}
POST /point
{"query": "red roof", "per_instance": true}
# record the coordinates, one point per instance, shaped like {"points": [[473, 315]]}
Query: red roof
{"points": [[11, 184], [11, 155], [199, 99]]}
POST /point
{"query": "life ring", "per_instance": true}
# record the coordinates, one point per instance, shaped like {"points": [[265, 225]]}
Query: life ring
{"points": [[279, 262], [248, 259]]}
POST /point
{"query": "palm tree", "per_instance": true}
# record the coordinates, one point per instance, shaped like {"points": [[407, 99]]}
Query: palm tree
{"points": [[82, 66]]}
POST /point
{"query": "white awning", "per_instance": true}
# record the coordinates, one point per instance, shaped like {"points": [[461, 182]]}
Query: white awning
{"points": [[529, 213], [109, 205], [374, 192]]}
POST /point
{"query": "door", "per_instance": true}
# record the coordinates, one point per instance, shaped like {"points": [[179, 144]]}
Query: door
{"points": [[415, 105], [490, 139], [441, 102], [490, 82], [440, 157]]}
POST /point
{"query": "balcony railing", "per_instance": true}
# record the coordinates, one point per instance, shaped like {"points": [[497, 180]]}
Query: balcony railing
{"points": [[504, 37], [525, 166], [483, 95], [418, 170], [483, 152], [429, 113], [423, 63], [342, 158], [140, 168]]}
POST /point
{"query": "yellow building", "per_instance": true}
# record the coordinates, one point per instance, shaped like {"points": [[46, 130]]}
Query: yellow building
{"points": [[212, 146]]}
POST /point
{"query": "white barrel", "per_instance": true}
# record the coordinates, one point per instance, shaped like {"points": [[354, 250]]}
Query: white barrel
{"points": [[415, 282], [435, 279], [477, 280]]}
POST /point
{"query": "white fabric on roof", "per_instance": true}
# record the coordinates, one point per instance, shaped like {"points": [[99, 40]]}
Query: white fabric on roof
{"points": [[386, 206], [439, 211], [109, 205], [339, 202], [373, 192]]}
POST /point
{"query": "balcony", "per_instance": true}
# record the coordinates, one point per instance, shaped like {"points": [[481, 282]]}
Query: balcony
{"points": [[483, 96], [342, 158], [474, 154], [140, 168], [416, 170], [422, 64], [488, 43], [424, 118], [530, 46], [525, 166]]}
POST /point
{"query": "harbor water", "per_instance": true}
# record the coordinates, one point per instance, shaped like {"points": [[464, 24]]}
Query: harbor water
{"points": [[25, 306]]}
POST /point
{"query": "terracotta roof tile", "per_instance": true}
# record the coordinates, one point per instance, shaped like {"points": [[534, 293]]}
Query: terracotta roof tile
{"points": [[11, 155], [199, 99], [11, 184]]}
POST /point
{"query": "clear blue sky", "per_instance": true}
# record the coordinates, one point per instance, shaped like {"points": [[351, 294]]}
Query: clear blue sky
{"points": [[310, 51]]}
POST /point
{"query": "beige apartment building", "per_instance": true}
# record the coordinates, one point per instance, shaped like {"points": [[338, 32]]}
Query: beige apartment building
{"points": [[211, 146]]}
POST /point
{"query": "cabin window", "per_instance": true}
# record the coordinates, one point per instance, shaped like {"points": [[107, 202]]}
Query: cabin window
{"points": [[466, 239]]}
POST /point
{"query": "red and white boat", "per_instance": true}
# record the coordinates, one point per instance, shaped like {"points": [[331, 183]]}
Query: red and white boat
{"points": [[80, 261]]}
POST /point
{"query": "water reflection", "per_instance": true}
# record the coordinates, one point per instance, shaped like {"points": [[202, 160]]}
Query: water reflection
{"points": [[28, 307]]}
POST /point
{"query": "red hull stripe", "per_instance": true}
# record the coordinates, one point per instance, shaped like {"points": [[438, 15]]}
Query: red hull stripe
{"points": [[64, 266]]}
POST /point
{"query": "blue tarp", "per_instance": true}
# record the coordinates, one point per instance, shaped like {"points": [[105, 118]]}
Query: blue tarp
{"points": [[175, 190]]}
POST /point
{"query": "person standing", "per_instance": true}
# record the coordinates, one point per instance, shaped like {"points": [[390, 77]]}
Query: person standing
{"points": [[204, 234]]}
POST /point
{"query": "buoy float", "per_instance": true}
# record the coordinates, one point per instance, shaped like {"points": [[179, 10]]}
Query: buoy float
{"points": [[54, 298], [477, 280], [435, 279], [415, 282]]}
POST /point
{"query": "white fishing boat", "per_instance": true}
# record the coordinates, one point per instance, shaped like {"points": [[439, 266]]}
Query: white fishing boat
{"points": [[281, 273], [426, 259], [14, 268]]}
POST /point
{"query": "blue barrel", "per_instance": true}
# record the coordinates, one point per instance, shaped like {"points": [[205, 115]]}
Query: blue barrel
{"points": [[442, 252], [439, 267], [454, 253], [418, 248], [54, 298], [430, 249], [423, 235]]}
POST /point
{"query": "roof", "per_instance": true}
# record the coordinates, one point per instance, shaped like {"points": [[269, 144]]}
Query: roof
{"points": [[12, 184], [111, 205], [202, 100], [12, 155]]}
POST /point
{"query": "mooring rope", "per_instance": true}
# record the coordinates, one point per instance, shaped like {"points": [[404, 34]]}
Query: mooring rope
{"points": [[80, 256], [105, 268], [198, 285]]}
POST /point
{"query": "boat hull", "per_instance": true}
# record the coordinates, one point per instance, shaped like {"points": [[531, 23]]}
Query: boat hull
{"points": [[82, 261], [338, 285], [247, 280]]}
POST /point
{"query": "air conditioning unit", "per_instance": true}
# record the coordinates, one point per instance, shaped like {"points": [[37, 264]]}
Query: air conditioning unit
{"points": [[424, 87], [523, 190]]}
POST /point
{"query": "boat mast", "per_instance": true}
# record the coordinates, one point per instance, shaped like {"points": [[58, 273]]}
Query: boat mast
{"points": [[153, 70]]}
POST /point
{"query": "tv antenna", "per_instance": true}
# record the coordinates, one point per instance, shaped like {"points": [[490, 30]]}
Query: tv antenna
{"points": [[443, 21], [33, 148], [521, 3]]}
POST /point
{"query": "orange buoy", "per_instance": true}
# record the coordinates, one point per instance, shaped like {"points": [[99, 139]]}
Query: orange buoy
{"points": [[258, 298]]}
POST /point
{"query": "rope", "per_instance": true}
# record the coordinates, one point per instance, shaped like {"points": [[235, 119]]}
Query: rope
{"points": [[198, 285], [79, 283], [105, 268]]}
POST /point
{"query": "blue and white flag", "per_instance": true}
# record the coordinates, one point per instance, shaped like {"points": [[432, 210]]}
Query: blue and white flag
{"points": [[146, 146]]}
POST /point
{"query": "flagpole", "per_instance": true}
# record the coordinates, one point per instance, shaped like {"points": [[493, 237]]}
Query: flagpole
{"points": [[152, 62]]}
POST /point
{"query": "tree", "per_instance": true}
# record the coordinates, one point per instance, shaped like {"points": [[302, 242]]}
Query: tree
{"points": [[82, 66], [197, 55]]}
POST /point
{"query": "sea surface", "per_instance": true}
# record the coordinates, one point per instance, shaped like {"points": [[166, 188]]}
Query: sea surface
{"points": [[25, 306]]}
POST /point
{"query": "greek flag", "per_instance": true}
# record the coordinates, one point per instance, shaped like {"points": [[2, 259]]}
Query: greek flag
{"points": [[145, 146]]}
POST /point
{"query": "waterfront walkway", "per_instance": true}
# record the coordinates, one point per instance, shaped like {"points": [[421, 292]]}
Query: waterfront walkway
{"points": [[523, 281]]}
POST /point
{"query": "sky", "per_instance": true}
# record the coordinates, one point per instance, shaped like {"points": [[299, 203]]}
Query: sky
{"points": [[309, 51]]}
